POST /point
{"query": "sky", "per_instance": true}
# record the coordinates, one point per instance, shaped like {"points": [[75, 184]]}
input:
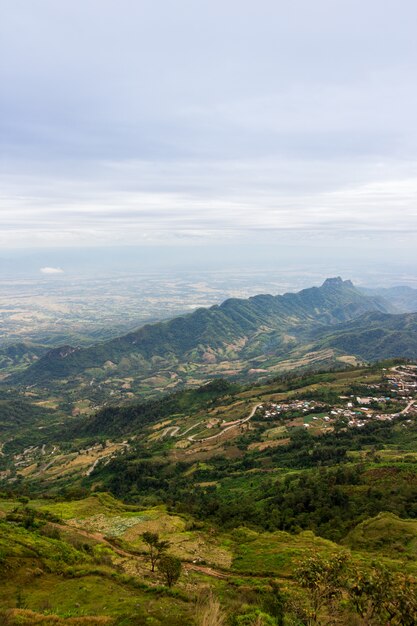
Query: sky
{"points": [[269, 125]]}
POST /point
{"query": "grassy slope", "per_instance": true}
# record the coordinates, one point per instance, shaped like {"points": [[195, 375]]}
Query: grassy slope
{"points": [[81, 573], [385, 534], [50, 575], [69, 573], [77, 572]]}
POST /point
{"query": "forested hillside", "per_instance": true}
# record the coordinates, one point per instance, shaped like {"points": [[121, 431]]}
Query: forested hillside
{"points": [[237, 338], [228, 503]]}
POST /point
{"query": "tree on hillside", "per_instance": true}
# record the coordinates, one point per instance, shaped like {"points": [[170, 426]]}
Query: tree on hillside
{"points": [[2, 563], [378, 594], [325, 580], [156, 546], [171, 567]]}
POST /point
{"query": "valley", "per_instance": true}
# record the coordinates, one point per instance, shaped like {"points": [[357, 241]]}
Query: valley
{"points": [[266, 417], [295, 456], [249, 486], [81, 309]]}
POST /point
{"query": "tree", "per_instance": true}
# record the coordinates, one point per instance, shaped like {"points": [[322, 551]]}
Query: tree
{"points": [[171, 567], [3, 562], [378, 594], [324, 579], [156, 547]]}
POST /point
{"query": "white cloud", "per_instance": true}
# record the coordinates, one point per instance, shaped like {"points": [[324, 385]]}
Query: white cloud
{"points": [[51, 270], [164, 126], [215, 202]]}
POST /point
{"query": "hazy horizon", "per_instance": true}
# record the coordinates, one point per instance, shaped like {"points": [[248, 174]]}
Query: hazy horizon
{"points": [[276, 271]]}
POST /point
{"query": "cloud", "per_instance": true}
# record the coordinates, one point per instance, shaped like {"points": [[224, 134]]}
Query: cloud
{"points": [[138, 203], [223, 120], [51, 270]]}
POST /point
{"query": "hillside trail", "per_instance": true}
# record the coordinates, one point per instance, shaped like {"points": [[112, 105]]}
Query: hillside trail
{"points": [[173, 431], [235, 424], [97, 536], [201, 569], [208, 571]]}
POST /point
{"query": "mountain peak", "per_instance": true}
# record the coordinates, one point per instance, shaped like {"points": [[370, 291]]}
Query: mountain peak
{"points": [[337, 281], [258, 325]]}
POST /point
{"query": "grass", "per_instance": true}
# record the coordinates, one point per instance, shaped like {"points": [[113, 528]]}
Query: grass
{"points": [[59, 581], [276, 553], [100, 503], [386, 534], [50, 579], [23, 617], [278, 432]]}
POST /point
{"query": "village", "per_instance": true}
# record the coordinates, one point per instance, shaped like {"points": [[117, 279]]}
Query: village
{"points": [[385, 401], [393, 397]]}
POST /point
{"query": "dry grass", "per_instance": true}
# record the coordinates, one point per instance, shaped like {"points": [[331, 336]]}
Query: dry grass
{"points": [[209, 612], [263, 445], [23, 617]]}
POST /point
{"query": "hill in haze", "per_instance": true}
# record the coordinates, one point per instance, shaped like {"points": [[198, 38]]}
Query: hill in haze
{"points": [[402, 297], [374, 336], [233, 338]]}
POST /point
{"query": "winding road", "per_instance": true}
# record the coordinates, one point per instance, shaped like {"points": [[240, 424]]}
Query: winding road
{"points": [[173, 431], [193, 439]]}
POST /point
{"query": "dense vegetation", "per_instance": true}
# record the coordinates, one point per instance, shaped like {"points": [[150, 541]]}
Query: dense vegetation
{"points": [[237, 328], [328, 494], [318, 529], [375, 336], [16, 415], [124, 420]]}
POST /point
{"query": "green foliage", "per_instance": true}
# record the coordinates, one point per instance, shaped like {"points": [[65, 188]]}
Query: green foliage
{"points": [[254, 617], [326, 494], [170, 566], [186, 339], [378, 594], [324, 580], [24, 515], [18, 414], [116, 421], [156, 546]]}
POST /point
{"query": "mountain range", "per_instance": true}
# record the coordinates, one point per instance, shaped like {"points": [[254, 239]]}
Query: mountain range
{"points": [[333, 323]]}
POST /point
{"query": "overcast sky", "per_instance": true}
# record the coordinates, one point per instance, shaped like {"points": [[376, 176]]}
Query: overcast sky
{"points": [[194, 122]]}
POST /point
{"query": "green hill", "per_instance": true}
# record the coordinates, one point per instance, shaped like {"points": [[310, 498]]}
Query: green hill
{"points": [[268, 494], [85, 563], [374, 336], [18, 356], [386, 534], [233, 338], [17, 415], [402, 298]]}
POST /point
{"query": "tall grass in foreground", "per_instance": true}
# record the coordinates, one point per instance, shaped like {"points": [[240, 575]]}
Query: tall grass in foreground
{"points": [[209, 612]]}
